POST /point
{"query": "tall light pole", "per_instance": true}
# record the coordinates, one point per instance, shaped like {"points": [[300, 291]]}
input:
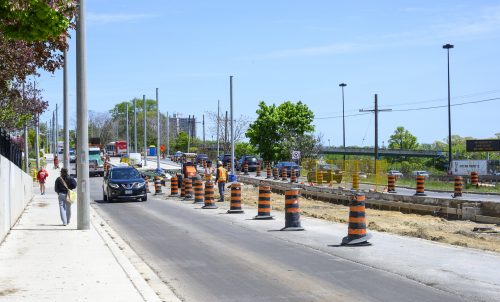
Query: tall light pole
{"points": [[135, 126], [126, 126], [145, 133], [342, 85], [218, 127], [65, 111], [448, 47], [168, 134], [157, 132], [189, 133], [232, 123], [83, 186]]}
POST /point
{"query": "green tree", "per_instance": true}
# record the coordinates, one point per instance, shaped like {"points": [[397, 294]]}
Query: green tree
{"points": [[35, 20], [403, 139], [244, 148], [279, 129], [180, 142]]}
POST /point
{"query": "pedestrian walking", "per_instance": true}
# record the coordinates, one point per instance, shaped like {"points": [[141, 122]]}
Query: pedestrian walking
{"points": [[56, 162], [221, 178], [63, 184], [41, 176]]}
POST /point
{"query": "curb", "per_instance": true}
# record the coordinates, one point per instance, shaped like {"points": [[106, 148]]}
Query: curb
{"points": [[146, 282]]}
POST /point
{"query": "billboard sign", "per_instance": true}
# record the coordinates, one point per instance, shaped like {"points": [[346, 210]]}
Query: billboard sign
{"points": [[464, 167], [482, 145]]}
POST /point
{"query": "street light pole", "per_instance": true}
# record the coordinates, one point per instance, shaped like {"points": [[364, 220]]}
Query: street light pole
{"points": [[168, 134], [157, 132], [343, 118], [218, 127], [135, 126], [128, 143], [145, 133], [448, 47], [232, 123], [83, 186], [65, 110]]}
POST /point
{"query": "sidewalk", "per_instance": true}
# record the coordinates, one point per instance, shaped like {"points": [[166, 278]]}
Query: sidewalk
{"points": [[42, 260]]}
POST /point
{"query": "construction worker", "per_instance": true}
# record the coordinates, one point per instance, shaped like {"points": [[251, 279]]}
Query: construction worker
{"points": [[221, 178]]}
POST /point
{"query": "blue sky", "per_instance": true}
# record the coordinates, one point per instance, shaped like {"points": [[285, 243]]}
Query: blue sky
{"points": [[299, 50]]}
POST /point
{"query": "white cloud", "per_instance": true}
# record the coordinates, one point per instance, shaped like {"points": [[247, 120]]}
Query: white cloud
{"points": [[115, 18]]}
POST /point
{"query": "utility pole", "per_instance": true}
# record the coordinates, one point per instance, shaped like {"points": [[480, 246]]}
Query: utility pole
{"points": [[47, 137], [157, 132], [232, 124], [57, 129], [225, 132], [26, 136], [37, 142], [83, 186], [53, 134], [128, 142], [145, 133], [204, 146], [168, 134], [135, 126], [65, 111], [218, 126], [376, 111], [189, 132]]}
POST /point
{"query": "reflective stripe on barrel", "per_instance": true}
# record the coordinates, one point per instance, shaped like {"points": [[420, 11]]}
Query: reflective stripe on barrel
{"points": [[174, 188], [189, 187], [357, 219], [355, 181], [292, 210], [245, 168], [276, 174], [474, 178], [293, 176], [198, 191], [257, 170], [235, 199], [209, 196], [268, 172], [391, 183], [264, 203], [319, 177], [420, 185], [458, 186], [284, 175]]}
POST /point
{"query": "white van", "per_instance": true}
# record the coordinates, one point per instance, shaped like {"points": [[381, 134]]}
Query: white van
{"points": [[135, 159]]}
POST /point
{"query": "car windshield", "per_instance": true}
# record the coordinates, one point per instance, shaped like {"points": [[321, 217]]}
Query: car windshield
{"points": [[71, 152], [124, 174], [94, 152]]}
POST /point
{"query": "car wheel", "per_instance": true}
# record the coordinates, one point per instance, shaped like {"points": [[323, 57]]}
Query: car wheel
{"points": [[104, 196], [145, 198]]}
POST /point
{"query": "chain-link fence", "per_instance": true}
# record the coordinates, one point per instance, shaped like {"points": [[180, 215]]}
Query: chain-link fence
{"points": [[349, 173]]}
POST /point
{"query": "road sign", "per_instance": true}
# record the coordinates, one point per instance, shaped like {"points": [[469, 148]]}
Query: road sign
{"points": [[295, 155], [162, 148], [482, 145]]}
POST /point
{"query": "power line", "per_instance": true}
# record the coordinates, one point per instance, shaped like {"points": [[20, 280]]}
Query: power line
{"points": [[443, 106], [415, 109]]}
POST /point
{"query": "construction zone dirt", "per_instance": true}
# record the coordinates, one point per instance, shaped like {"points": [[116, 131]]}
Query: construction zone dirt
{"points": [[455, 232]]}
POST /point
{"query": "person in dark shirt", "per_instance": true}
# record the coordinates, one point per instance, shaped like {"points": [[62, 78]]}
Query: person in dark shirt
{"points": [[63, 183]]}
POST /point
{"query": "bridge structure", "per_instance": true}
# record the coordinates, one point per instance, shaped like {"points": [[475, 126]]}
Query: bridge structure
{"points": [[382, 152]]}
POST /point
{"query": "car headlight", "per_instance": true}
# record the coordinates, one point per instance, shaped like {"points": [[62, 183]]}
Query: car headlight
{"points": [[138, 185], [115, 186]]}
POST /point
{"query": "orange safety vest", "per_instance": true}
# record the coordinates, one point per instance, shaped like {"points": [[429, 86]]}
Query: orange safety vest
{"points": [[222, 174]]}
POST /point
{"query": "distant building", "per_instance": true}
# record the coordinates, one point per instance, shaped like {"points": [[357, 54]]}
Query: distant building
{"points": [[182, 124]]}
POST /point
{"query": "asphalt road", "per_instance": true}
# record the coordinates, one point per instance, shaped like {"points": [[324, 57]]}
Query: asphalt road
{"points": [[211, 259]]}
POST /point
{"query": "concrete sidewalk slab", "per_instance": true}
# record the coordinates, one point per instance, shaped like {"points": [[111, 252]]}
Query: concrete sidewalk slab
{"points": [[42, 260]]}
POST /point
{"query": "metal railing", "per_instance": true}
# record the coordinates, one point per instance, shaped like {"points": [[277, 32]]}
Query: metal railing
{"points": [[10, 150]]}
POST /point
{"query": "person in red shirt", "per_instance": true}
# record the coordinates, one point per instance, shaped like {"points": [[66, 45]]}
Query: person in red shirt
{"points": [[42, 176]]}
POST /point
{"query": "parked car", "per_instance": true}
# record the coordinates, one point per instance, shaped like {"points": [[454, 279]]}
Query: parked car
{"points": [[362, 175], [288, 166], [72, 156], [124, 182], [330, 173], [395, 173], [252, 161], [422, 173], [225, 158], [199, 159]]}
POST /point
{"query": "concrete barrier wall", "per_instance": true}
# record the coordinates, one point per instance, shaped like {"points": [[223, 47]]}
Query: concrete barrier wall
{"points": [[16, 190]]}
